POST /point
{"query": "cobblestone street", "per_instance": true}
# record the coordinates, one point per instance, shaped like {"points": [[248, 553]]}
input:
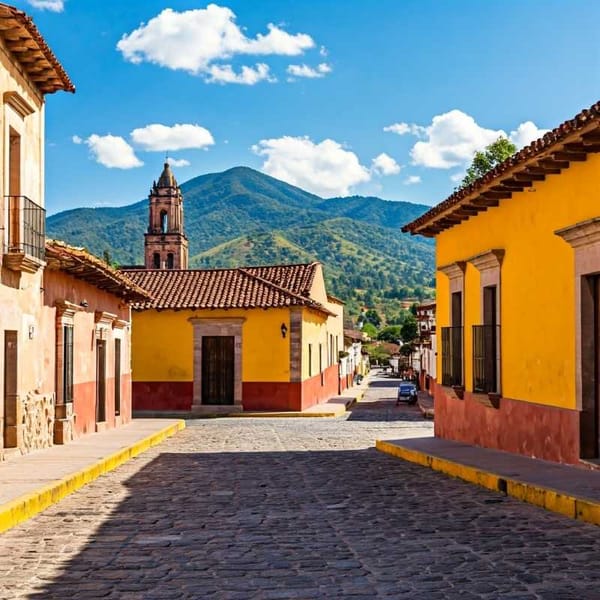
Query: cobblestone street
{"points": [[296, 508]]}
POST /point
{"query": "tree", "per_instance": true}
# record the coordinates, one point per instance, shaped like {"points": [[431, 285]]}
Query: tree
{"points": [[371, 316], [485, 161], [370, 330], [391, 333], [409, 330]]}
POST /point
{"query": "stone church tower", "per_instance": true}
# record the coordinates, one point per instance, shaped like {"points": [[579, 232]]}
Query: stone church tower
{"points": [[165, 244]]}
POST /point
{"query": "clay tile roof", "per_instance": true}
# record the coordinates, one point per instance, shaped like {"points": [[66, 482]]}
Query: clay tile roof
{"points": [[80, 264], [295, 278], [26, 43], [570, 141], [251, 287]]}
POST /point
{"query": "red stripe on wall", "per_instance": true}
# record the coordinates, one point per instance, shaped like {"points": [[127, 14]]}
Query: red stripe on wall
{"points": [[162, 395]]}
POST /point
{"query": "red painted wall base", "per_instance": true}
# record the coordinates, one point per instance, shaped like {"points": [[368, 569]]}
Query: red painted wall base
{"points": [[162, 395], [515, 426]]}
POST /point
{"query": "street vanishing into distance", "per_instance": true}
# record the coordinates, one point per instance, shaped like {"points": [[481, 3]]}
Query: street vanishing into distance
{"points": [[298, 508]]}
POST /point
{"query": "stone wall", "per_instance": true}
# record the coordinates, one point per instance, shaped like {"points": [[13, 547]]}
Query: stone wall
{"points": [[37, 421]]}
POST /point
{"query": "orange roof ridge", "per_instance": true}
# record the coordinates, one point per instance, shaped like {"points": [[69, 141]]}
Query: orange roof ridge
{"points": [[585, 122], [303, 299], [95, 271], [60, 80]]}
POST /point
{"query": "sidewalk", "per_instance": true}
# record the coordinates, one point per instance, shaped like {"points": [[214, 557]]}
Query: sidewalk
{"points": [[425, 404], [565, 489], [31, 483]]}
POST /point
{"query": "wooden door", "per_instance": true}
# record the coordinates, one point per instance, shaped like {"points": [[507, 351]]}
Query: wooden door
{"points": [[100, 381], [217, 369], [10, 381]]}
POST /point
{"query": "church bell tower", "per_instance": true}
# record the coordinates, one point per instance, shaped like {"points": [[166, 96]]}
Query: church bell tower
{"points": [[165, 244]]}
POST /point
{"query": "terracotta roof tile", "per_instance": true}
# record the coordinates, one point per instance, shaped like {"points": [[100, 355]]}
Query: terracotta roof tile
{"points": [[572, 140], [251, 287], [23, 39], [80, 264]]}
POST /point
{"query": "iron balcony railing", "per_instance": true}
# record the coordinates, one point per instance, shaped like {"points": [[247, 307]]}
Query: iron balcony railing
{"points": [[486, 358], [26, 223], [452, 352]]}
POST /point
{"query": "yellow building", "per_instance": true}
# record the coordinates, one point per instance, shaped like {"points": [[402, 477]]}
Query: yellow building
{"points": [[220, 340], [518, 300]]}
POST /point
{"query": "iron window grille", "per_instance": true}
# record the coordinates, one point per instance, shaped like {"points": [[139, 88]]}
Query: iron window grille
{"points": [[26, 226], [452, 363], [485, 358]]}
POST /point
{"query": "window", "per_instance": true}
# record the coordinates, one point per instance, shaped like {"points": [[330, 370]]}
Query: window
{"points": [[321, 363], [452, 336], [170, 260], [117, 376], [486, 337], [310, 360], [164, 221], [485, 346], [156, 260], [67, 363]]}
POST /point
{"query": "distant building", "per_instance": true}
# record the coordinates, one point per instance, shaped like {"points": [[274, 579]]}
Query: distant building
{"points": [[427, 346], [221, 340], [518, 299], [165, 244]]}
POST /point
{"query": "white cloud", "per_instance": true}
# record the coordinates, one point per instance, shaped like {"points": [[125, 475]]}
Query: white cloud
{"points": [[453, 138], [412, 180], [76, 139], [405, 128], [456, 177], [384, 164], [323, 51], [525, 133], [112, 151], [247, 75], [52, 5], [174, 162], [325, 168], [157, 137], [305, 71], [194, 40]]}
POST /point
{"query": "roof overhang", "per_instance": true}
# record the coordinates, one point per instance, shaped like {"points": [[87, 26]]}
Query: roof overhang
{"points": [[80, 264], [25, 42], [570, 142]]}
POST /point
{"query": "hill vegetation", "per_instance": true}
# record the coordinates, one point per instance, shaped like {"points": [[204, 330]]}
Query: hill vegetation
{"points": [[243, 217]]}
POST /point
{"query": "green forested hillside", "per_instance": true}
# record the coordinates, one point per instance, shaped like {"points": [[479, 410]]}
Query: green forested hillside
{"points": [[243, 217]]}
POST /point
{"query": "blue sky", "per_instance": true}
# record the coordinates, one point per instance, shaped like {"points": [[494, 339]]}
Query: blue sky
{"points": [[386, 97]]}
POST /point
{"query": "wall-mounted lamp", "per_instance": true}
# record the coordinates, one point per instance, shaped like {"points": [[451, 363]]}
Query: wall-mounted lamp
{"points": [[84, 303], [283, 330]]}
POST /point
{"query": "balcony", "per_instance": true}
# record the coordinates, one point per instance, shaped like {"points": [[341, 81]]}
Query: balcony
{"points": [[452, 351], [24, 243], [486, 358]]}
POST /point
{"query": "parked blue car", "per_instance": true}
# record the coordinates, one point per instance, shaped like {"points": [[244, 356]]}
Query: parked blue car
{"points": [[407, 392]]}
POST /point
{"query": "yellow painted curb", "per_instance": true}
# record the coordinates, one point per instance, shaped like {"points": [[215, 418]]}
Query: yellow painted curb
{"points": [[281, 415], [582, 509], [16, 511]]}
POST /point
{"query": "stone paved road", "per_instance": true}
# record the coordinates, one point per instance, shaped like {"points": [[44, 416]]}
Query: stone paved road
{"points": [[296, 508]]}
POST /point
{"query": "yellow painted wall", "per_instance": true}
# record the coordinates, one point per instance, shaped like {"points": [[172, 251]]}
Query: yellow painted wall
{"points": [[537, 282], [163, 344], [317, 329]]}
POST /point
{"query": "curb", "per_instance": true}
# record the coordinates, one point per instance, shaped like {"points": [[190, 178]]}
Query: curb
{"points": [[582, 509], [426, 411], [23, 508]]}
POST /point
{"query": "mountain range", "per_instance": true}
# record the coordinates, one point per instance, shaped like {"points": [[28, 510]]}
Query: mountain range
{"points": [[244, 217]]}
